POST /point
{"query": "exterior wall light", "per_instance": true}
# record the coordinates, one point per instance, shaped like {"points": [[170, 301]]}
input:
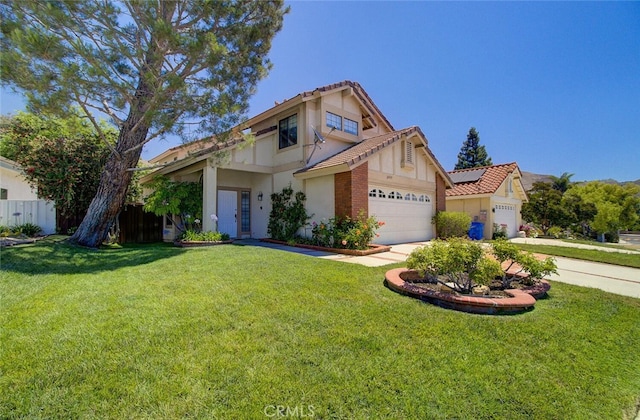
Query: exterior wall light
{"points": [[260, 196]]}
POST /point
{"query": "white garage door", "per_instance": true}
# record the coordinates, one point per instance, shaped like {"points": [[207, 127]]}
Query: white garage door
{"points": [[506, 216], [406, 214]]}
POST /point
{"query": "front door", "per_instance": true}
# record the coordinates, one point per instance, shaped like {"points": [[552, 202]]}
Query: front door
{"points": [[228, 212]]}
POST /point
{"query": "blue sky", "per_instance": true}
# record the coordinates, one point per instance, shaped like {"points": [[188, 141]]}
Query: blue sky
{"points": [[552, 86]]}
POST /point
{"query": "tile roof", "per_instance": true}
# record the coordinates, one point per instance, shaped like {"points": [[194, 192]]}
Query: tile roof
{"points": [[488, 183]]}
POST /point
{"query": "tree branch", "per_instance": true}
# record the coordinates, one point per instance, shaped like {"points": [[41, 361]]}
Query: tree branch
{"points": [[101, 134]]}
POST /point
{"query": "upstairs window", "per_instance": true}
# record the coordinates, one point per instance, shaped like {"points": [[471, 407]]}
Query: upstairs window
{"points": [[334, 120], [350, 126], [288, 132]]}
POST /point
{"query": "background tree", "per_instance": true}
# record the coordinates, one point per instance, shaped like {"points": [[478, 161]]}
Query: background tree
{"points": [[617, 207], [62, 157], [545, 208], [472, 154], [561, 183], [149, 65]]}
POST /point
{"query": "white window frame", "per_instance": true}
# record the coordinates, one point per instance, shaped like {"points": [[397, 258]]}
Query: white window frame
{"points": [[334, 118]]}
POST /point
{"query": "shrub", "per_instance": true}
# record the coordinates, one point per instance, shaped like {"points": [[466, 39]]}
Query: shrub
{"points": [[192, 235], [531, 269], [458, 261], [27, 229], [4, 231], [345, 232], [499, 232], [452, 224], [287, 215], [555, 231], [530, 231]]}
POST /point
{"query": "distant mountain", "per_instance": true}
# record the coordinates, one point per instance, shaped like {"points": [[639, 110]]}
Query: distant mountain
{"points": [[528, 179]]}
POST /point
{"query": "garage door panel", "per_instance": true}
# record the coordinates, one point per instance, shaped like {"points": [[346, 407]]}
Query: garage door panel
{"points": [[405, 220], [505, 215]]}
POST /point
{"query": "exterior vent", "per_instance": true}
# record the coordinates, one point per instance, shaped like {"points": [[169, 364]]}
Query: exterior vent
{"points": [[407, 155]]}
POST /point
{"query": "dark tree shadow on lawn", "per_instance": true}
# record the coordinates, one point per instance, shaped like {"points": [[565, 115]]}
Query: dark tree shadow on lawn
{"points": [[57, 257]]}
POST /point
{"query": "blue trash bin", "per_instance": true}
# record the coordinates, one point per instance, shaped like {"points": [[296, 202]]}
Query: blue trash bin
{"points": [[476, 232]]}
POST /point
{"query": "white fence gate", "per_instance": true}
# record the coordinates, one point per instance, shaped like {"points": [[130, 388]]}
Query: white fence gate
{"points": [[38, 212]]}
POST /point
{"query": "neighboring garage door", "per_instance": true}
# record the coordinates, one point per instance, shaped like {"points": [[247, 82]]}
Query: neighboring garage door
{"points": [[506, 216], [406, 215]]}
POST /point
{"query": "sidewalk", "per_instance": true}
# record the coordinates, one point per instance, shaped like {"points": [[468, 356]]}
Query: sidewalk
{"points": [[610, 278], [557, 242]]}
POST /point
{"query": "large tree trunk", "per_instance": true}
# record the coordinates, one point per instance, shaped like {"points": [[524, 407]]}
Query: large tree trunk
{"points": [[115, 179], [111, 194]]}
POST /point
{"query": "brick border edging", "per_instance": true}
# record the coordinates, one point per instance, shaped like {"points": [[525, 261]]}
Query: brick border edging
{"points": [[196, 244], [519, 301], [374, 249]]}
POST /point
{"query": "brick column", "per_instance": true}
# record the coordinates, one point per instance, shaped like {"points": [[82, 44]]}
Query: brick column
{"points": [[441, 195], [352, 192]]}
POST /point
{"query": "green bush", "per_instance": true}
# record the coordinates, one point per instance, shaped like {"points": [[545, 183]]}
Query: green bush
{"points": [[531, 270], [499, 232], [452, 224], [27, 229], [192, 235], [458, 261], [287, 215], [555, 231], [5, 231], [345, 232]]}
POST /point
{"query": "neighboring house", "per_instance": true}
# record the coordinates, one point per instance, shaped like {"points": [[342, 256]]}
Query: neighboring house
{"points": [[19, 203], [13, 185], [492, 195], [333, 144]]}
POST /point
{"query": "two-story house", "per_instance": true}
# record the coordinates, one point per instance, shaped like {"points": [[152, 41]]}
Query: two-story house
{"points": [[333, 144]]}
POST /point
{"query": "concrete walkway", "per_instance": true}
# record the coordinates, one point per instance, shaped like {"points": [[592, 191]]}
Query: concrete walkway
{"points": [[556, 242], [610, 278]]}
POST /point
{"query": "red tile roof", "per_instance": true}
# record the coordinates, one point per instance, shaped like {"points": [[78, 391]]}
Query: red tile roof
{"points": [[488, 183]]}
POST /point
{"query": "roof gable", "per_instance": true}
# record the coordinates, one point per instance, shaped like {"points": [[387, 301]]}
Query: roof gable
{"points": [[369, 109], [360, 152], [483, 180]]}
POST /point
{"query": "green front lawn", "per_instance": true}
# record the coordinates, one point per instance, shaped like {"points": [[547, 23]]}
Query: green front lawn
{"points": [[234, 332], [608, 257]]}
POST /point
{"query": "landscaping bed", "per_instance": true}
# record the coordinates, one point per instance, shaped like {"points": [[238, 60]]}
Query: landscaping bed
{"points": [[496, 301], [195, 244], [373, 248]]}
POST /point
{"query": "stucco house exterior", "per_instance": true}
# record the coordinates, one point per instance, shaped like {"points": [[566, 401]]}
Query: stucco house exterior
{"points": [[490, 195], [333, 144]]}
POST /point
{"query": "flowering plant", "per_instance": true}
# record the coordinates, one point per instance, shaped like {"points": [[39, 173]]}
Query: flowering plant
{"points": [[345, 232], [529, 230]]}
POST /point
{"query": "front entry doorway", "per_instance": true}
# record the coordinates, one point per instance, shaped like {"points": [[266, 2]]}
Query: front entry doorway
{"points": [[234, 213]]}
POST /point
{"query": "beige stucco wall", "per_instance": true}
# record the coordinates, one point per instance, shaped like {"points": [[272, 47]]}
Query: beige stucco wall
{"points": [[385, 169], [320, 194]]}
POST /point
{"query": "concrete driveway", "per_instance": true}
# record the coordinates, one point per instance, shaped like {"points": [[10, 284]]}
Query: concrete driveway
{"points": [[610, 278]]}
